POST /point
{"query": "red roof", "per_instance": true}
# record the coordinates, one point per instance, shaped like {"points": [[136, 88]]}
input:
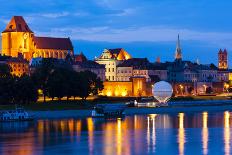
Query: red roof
{"points": [[17, 24], [80, 58], [53, 43]]}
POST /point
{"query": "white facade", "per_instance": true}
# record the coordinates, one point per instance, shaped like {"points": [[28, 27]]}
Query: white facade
{"points": [[111, 58]]}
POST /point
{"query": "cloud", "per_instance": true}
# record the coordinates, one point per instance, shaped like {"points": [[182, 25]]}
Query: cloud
{"points": [[141, 34], [55, 15]]}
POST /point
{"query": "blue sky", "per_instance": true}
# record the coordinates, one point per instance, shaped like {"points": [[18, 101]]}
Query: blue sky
{"points": [[145, 28]]}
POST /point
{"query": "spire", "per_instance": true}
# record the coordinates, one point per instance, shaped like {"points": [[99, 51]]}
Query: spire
{"points": [[178, 54]]}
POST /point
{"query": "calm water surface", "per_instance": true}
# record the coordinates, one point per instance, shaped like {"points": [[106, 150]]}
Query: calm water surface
{"points": [[180, 133]]}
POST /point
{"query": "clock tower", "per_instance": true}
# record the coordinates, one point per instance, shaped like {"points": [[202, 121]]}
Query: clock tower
{"points": [[223, 59]]}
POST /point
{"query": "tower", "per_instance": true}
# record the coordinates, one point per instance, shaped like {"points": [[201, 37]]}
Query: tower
{"points": [[178, 53], [17, 38], [223, 59]]}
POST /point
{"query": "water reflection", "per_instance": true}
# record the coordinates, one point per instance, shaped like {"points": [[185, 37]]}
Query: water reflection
{"points": [[227, 133], [151, 133], [205, 132], [181, 134], [90, 126], [139, 134]]}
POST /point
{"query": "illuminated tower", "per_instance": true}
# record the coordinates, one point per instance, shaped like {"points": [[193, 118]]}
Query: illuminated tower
{"points": [[178, 53], [17, 38], [222, 59]]}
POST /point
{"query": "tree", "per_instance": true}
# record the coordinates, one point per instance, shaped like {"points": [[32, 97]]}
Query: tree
{"points": [[6, 89], [89, 84], [6, 84], [46, 69], [41, 74], [56, 84], [190, 89], [25, 91], [208, 90]]}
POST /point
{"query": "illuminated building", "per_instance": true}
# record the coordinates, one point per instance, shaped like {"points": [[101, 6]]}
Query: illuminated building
{"points": [[223, 72], [137, 86], [178, 53], [18, 38], [111, 58], [222, 59], [19, 66]]}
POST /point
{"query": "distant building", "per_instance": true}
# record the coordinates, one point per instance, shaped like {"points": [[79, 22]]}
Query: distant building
{"points": [[141, 67], [18, 38], [111, 58], [178, 52], [81, 63], [223, 59]]}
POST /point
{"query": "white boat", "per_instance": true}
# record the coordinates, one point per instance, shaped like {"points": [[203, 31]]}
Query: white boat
{"points": [[146, 102], [19, 114]]}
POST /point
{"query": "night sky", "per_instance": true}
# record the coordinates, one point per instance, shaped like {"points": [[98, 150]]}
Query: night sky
{"points": [[145, 28]]}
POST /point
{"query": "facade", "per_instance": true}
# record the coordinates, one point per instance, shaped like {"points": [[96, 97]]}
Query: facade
{"points": [[141, 67], [19, 66], [81, 63], [111, 58], [136, 87], [18, 38]]}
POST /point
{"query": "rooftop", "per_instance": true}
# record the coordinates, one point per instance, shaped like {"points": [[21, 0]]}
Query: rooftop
{"points": [[17, 24], [53, 43]]}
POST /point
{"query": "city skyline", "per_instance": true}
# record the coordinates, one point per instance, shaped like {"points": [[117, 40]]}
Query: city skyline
{"points": [[96, 25]]}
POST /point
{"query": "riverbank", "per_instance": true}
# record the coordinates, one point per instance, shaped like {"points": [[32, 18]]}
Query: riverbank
{"points": [[129, 111], [64, 104]]}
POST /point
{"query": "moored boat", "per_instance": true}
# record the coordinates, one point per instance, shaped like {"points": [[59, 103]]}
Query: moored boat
{"points": [[19, 114], [109, 110]]}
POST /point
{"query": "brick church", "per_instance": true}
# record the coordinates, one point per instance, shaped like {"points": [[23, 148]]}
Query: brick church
{"points": [[18, 38]]}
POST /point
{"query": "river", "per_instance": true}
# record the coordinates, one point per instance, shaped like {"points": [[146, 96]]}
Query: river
{"points": [[176, 133]]}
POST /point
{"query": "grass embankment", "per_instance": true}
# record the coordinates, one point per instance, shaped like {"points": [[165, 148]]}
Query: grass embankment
{"points": [[67, 105], [78, 104]]}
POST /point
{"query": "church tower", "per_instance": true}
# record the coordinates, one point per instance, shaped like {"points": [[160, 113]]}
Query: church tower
{"points": [[223, 59], [17, 38], [178, 53]]}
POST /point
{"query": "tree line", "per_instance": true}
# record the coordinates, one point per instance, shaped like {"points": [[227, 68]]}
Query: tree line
{"points": [[54, 77]]}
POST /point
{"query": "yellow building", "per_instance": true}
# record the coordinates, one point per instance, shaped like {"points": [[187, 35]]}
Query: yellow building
{"points": [[18, 38], [136, 87], [111, 58]]}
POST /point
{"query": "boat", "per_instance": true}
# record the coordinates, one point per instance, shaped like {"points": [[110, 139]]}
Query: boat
{"points": [[144, 102], [109, 110], [19, 114]]}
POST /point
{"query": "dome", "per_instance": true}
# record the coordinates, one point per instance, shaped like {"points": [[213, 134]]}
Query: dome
{"points": [[162, 91]]}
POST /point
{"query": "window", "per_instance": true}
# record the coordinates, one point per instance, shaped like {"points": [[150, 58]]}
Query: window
{"points": [[25, 43], [11, 26], [112, 69], [109, 70], [113, 78]]}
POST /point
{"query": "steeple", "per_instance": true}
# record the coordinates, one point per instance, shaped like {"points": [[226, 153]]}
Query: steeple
{"points": [[178, 54]]}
